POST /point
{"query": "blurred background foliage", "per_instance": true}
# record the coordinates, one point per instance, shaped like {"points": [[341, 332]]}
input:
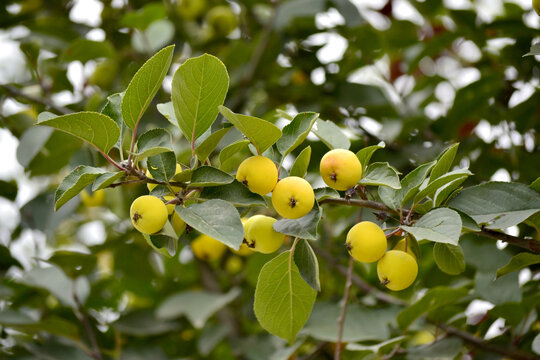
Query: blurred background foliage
{"points": [[415, 74]]}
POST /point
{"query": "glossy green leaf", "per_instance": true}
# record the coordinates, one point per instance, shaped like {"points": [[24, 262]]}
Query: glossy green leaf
{"points": [[205, 148], [236, 193], [294, 133], [209, 176], [199, 86], [497, 205], [84, 50], [197, 306], [301, 164], [283, 300], [439, 182], [153, 142], [304, 227], [215, 218], [229, 151], [449, 258], [381, 174], [331, 134], [325, 193], [444, 192], [518, 262], [261, 133], [74, 183], [444, 162], [365, 154], [162, 166], [144, 85], [439, 225], [106, 179], [308, 265], [167, 110], [165, 242], [97, 129]]}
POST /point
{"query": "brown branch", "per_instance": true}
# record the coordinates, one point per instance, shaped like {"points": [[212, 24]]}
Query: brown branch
{"points": [[526, 243], [510, 352], [341, 320], [15, 92], [361, 203]]}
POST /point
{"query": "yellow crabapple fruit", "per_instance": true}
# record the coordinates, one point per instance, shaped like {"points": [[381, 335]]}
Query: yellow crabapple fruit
{"points": [[401, 246], [97, 198], [340, 169], [258, 173], [262, 237], [178, 224], [397, 270], [366, 242], [148, 214], [222, 20], [207, 248], [293, 197]]}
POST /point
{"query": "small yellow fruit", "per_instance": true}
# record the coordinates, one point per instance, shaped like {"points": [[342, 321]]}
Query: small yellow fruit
{"points": [[222, 20], [397, 270], [190, 9], [422, 338], [259, 173], [366, 242], [293, 197], [178, 224], [170, 207], [233, 265], [401, 246], [340, 169], [152, 186], [206, 248], [262, 237], [148, 214], [96, 199]]}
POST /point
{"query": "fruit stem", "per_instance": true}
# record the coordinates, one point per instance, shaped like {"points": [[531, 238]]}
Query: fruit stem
{"points": [[341, 319]]}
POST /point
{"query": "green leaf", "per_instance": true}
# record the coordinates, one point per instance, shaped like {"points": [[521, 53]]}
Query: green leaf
{"points": [[445, 191], [197, 306], [162, 166], [434, 298], [535, 185], [113, 109], [209, 144], [215, 218], [8, 189], [440, 181], [283, 300], [303, 228], [301, 163], [361, 322], [229, 151], [294, 133], [365, 154], [143, 323], [144, 86], [32, 142], [535, 50], [236, 193], [448, 348], [377, 348], [325, 193], [97, 129], [261, 133], [167, 110], [199, 86], [439, 225], [165, 242], [73, 263], [158, 34], [74, 183], [444, 162], [449, 258], [498, 205], [409, 186], [107, 179], [518, 262], [153, 142], [504, 289], [331, 134], [308, 266], [84, 50], [536, 341], [209, 176], [381, 174]]}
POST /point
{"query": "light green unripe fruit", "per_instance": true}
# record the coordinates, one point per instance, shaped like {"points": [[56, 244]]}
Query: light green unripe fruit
{"points": [[148, 214], [397, 270], [366, 242], [261, 235], [222, 20]]}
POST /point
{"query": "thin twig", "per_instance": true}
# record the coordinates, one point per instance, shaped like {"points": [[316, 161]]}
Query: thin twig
{"points": [[360, 203], [341, 319], [526, 243], [16, 92], [81, 315]]}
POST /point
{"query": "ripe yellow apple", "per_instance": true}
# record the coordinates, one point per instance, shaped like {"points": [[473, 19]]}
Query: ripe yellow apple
{"points": [[422, 338], [170, 207], [151, 186], [206, 248], [366, 242], [397, 270], [222, 20], [233, 265], [262, 237], [148, 214], [259, 173], [178, 224], [401, 246], [340, 169], [293, 197], [97, 198]]}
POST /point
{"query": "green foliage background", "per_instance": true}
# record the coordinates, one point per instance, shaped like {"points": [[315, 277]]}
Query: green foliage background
{"points": [[405, 77]]}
